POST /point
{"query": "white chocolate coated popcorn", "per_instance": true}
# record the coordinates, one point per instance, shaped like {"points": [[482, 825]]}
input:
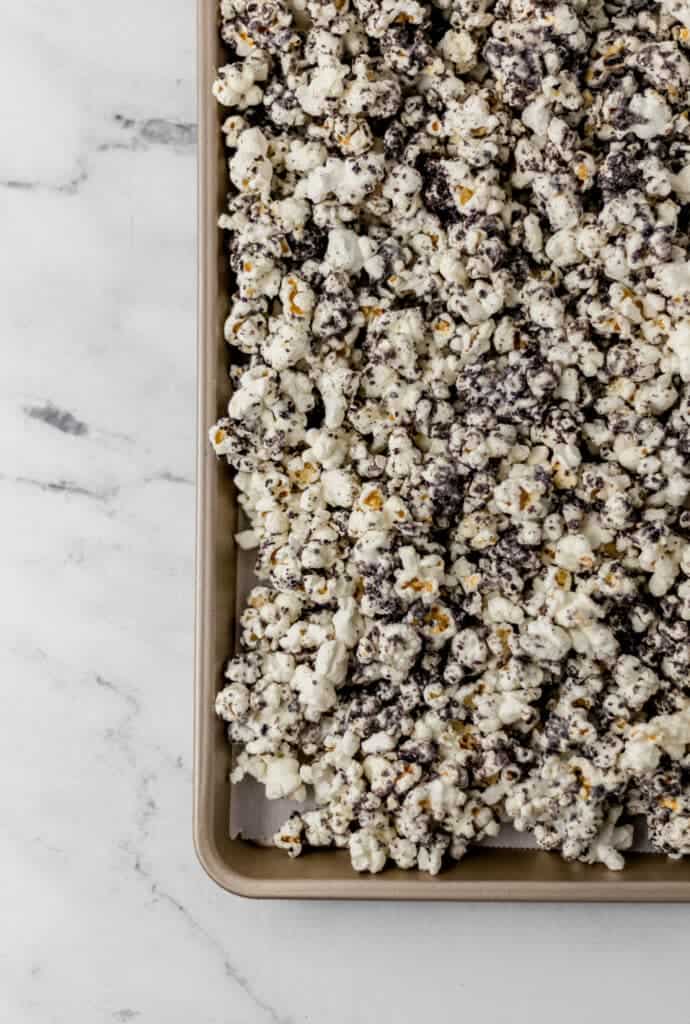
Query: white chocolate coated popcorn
{"points": [[458, 240]]}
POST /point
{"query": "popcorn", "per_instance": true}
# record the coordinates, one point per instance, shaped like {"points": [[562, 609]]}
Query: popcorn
{"points": [[419, 578], [679, 343], [324, 85], [652, 113], [286, 345], [460, 48], [346, 251], [315, 694], [367, 852], [236, 85], [289, 836], [544, 641], [402, 187], [349, 180], [460, 422], [282, 778], [250, 168]]}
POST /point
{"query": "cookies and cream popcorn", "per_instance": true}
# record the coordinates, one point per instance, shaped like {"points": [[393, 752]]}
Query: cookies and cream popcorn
{"points": [[458, 238]]}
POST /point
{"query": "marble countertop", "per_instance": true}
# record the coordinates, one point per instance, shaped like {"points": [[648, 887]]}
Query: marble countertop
{"points": [[107, 916]]}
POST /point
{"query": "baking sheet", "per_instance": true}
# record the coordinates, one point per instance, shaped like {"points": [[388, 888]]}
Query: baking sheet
{"points": [[252, 869]]}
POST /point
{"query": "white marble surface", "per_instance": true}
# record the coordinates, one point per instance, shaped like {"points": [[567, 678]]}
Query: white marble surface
{"points": [[106, 916]]}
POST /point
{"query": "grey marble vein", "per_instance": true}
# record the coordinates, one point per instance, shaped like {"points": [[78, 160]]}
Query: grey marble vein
{"points": [[231, 971], [119, 735], [158, 131], [60, 419], [68, 187], [171, 478], [142, 133], [152, 131], [64, 487]]}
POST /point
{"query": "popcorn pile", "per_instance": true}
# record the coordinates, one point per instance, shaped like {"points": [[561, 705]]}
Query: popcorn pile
{"points": [[460, 424]]}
